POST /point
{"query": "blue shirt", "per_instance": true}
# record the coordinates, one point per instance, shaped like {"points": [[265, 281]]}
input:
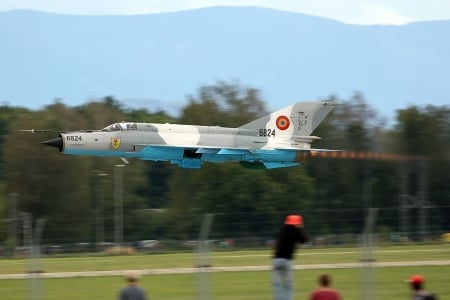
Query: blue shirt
{"points": [[132, 292]]}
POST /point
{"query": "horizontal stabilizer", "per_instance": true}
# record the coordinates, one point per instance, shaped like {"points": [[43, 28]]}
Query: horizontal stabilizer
{"points": [[306, 137]]}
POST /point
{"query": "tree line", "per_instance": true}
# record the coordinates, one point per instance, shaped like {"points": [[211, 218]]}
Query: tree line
{"points": [[163, 201]]}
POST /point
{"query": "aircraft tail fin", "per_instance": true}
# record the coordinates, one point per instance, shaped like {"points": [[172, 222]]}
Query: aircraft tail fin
{"points": [[299, 119]]}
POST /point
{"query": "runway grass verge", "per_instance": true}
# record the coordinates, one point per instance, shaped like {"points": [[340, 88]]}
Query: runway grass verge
{"points": [[223, 259], [388, 284]]}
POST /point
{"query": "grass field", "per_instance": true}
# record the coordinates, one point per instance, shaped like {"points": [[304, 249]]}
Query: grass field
{"points": [[223, 259], [388, 281]]}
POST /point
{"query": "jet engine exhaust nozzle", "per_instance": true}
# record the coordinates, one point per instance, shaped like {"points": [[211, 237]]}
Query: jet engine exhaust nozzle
{"points": [[57, 143]]}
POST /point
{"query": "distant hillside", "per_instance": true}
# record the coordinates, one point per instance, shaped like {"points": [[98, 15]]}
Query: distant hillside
{"points": [[156, 60]]}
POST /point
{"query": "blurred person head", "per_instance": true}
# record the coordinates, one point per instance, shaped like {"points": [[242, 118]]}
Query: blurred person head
{"points": [[417, 281], [132, 276], [324, 280]]}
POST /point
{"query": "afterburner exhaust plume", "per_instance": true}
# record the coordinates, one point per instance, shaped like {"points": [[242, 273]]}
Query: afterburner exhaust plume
{"points": [[366, 155]]}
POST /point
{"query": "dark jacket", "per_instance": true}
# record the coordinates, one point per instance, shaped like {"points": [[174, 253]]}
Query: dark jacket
{"points": [[287, 239], [423, 295]]}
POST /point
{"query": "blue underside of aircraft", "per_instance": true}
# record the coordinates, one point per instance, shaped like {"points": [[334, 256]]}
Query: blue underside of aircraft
{"points": [[193, 158]]}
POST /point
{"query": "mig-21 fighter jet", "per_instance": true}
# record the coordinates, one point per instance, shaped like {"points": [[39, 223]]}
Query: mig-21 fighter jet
{"points": [[280, 139]]}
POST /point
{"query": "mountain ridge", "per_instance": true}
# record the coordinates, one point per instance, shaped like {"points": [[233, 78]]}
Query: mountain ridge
{"points": [[158, 59]]}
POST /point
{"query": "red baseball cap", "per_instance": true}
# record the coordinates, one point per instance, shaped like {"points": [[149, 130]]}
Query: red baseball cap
{"points": [[416, 279], [294, 220]]}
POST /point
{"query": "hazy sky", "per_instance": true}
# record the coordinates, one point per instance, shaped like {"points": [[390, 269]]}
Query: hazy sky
{"points": [[349, 11]]}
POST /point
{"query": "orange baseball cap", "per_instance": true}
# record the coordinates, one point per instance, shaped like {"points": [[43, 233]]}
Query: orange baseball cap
{"points": [[294, 220], [416, 279]]}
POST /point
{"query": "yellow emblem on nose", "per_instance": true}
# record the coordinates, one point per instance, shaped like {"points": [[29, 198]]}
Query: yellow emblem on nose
{"points": [[115, 142]]}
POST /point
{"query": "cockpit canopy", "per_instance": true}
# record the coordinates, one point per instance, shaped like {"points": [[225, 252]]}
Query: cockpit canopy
{"points": [[121, 126]]}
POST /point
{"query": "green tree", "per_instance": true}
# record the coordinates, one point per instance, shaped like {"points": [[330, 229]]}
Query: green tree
{"points": [[49, 184], [224, 104], [62, 188], [424, 133], [7, 115], [333, 194], [341, 184]]}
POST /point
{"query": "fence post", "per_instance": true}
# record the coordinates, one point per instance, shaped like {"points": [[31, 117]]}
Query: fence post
{"points": [[203, 258], [368, 258]]}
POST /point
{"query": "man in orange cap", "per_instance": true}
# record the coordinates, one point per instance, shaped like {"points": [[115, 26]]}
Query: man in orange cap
{"points": [[417, 285], [291, 234]]}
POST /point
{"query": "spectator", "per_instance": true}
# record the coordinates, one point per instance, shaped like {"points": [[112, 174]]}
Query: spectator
{"points": [[417, 283], [132, 291], [324, 291], [291, 234]]}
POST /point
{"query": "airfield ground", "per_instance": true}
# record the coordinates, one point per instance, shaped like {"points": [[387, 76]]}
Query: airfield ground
{"points": [[233, 275]]}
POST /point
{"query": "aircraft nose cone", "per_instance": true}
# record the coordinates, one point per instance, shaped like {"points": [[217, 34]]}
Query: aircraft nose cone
{"points": [[57, 143]]}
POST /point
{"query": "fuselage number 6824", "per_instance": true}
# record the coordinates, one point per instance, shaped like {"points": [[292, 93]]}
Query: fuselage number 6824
{"points": [[73, 138], [267, 132]]}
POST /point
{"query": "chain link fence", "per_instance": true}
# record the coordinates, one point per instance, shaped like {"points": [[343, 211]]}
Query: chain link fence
{"points": [[157, 231]]}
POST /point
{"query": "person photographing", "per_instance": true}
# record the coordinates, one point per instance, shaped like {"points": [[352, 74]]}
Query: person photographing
{"points": [[417, 284], [290, 235]]}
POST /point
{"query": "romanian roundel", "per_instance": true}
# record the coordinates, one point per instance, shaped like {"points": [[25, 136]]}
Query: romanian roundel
{"points": [[283, 122]]}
